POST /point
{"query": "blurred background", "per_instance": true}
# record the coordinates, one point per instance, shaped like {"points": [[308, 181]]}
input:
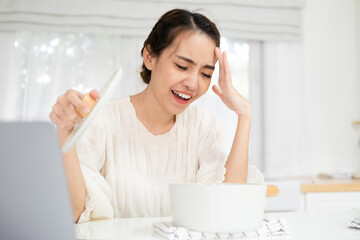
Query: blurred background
{"points": [[296, 61]]}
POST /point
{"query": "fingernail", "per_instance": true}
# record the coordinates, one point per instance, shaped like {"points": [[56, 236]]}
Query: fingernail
{"points": [[86, 110]]}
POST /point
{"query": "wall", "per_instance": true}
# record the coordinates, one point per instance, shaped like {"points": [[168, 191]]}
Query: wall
{"points": [[357, 25], [310, 107], [330, 75]]}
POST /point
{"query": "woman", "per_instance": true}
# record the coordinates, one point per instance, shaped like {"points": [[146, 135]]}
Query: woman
{"points": [[137, 145]]}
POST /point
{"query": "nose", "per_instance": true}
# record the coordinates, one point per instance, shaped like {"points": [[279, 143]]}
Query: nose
{"points": [[191, 82]]}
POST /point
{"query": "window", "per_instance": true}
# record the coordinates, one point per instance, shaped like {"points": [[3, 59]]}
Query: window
{"points": [[47, 64], [51, 63]]}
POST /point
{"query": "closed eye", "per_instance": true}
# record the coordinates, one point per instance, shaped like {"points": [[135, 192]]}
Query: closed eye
{"points": [[206, 75], [181, 67]]}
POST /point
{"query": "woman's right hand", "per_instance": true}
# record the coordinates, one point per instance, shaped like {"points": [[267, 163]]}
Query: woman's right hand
{"points": [[65, 112]]}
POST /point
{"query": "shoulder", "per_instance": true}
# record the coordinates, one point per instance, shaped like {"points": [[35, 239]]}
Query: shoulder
{"points": [[113, 111], [116, 106], [201, 113], [201, 118], [116, 103]]}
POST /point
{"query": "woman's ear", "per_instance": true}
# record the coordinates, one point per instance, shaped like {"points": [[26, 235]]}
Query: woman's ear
{"points": [[148, 59]]}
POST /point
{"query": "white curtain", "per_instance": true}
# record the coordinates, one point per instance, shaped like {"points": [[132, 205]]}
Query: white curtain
{"points": [[39, 67], [285, 117], [8, 72], [256, 99], [260, 20]]}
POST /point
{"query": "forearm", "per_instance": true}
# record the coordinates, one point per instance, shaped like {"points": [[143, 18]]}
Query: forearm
{"points": [[75, 179], [237, 162]]}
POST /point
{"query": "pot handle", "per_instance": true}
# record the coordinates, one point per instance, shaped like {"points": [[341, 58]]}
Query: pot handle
{"points": [[272, 191]]}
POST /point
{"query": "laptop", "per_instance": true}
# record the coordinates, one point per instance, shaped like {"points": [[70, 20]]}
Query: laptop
{"points": [[34, 199]]}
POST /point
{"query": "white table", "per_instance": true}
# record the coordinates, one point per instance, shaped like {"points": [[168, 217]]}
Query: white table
{"points": [[304, 226]]}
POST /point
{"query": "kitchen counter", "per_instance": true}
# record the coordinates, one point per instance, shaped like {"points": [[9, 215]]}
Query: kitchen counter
{"points": [[330, 185], [312, 193], [303, 225], [330, 194]]}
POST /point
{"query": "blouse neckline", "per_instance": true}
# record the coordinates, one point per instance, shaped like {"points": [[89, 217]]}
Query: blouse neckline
{"points": [[144, 129]]}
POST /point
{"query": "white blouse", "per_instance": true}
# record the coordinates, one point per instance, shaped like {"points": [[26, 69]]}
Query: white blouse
{"points": [[127, 169]]}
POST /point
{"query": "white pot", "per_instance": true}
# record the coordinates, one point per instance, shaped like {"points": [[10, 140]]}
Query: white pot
{"points": [[219, 207]]}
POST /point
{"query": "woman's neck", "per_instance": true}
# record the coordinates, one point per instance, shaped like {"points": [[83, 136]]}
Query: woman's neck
{"points": [[151, 114]]}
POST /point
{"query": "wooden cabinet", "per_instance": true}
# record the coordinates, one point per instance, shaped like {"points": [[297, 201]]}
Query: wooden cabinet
{"points": [[331, 194]]}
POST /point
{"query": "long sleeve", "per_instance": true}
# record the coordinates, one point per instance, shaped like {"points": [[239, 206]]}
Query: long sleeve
{"points": [[92, 155], [212, 157]]}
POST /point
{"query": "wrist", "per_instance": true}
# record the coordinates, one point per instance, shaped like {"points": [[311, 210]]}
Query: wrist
{"points": [[245, 114], [244, 121], [63, 136]]}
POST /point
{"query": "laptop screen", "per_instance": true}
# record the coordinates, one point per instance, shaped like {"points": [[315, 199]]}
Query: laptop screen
{"points": [[34, 202]]}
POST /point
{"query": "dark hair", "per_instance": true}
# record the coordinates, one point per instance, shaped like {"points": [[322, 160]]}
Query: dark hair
{"points": [[169, 26]]}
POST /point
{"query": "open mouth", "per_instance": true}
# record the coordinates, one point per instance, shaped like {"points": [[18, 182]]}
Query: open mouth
{"points": [[182, 97]]}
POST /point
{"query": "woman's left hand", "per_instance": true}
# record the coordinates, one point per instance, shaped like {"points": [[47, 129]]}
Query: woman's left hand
{"points": [[226, 90]]}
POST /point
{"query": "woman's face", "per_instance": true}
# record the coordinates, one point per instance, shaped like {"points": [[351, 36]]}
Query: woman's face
{"points": [[183, 71]]}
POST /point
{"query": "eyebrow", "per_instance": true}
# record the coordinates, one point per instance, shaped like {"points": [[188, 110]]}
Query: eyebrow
{"points": [[192, 62]]}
